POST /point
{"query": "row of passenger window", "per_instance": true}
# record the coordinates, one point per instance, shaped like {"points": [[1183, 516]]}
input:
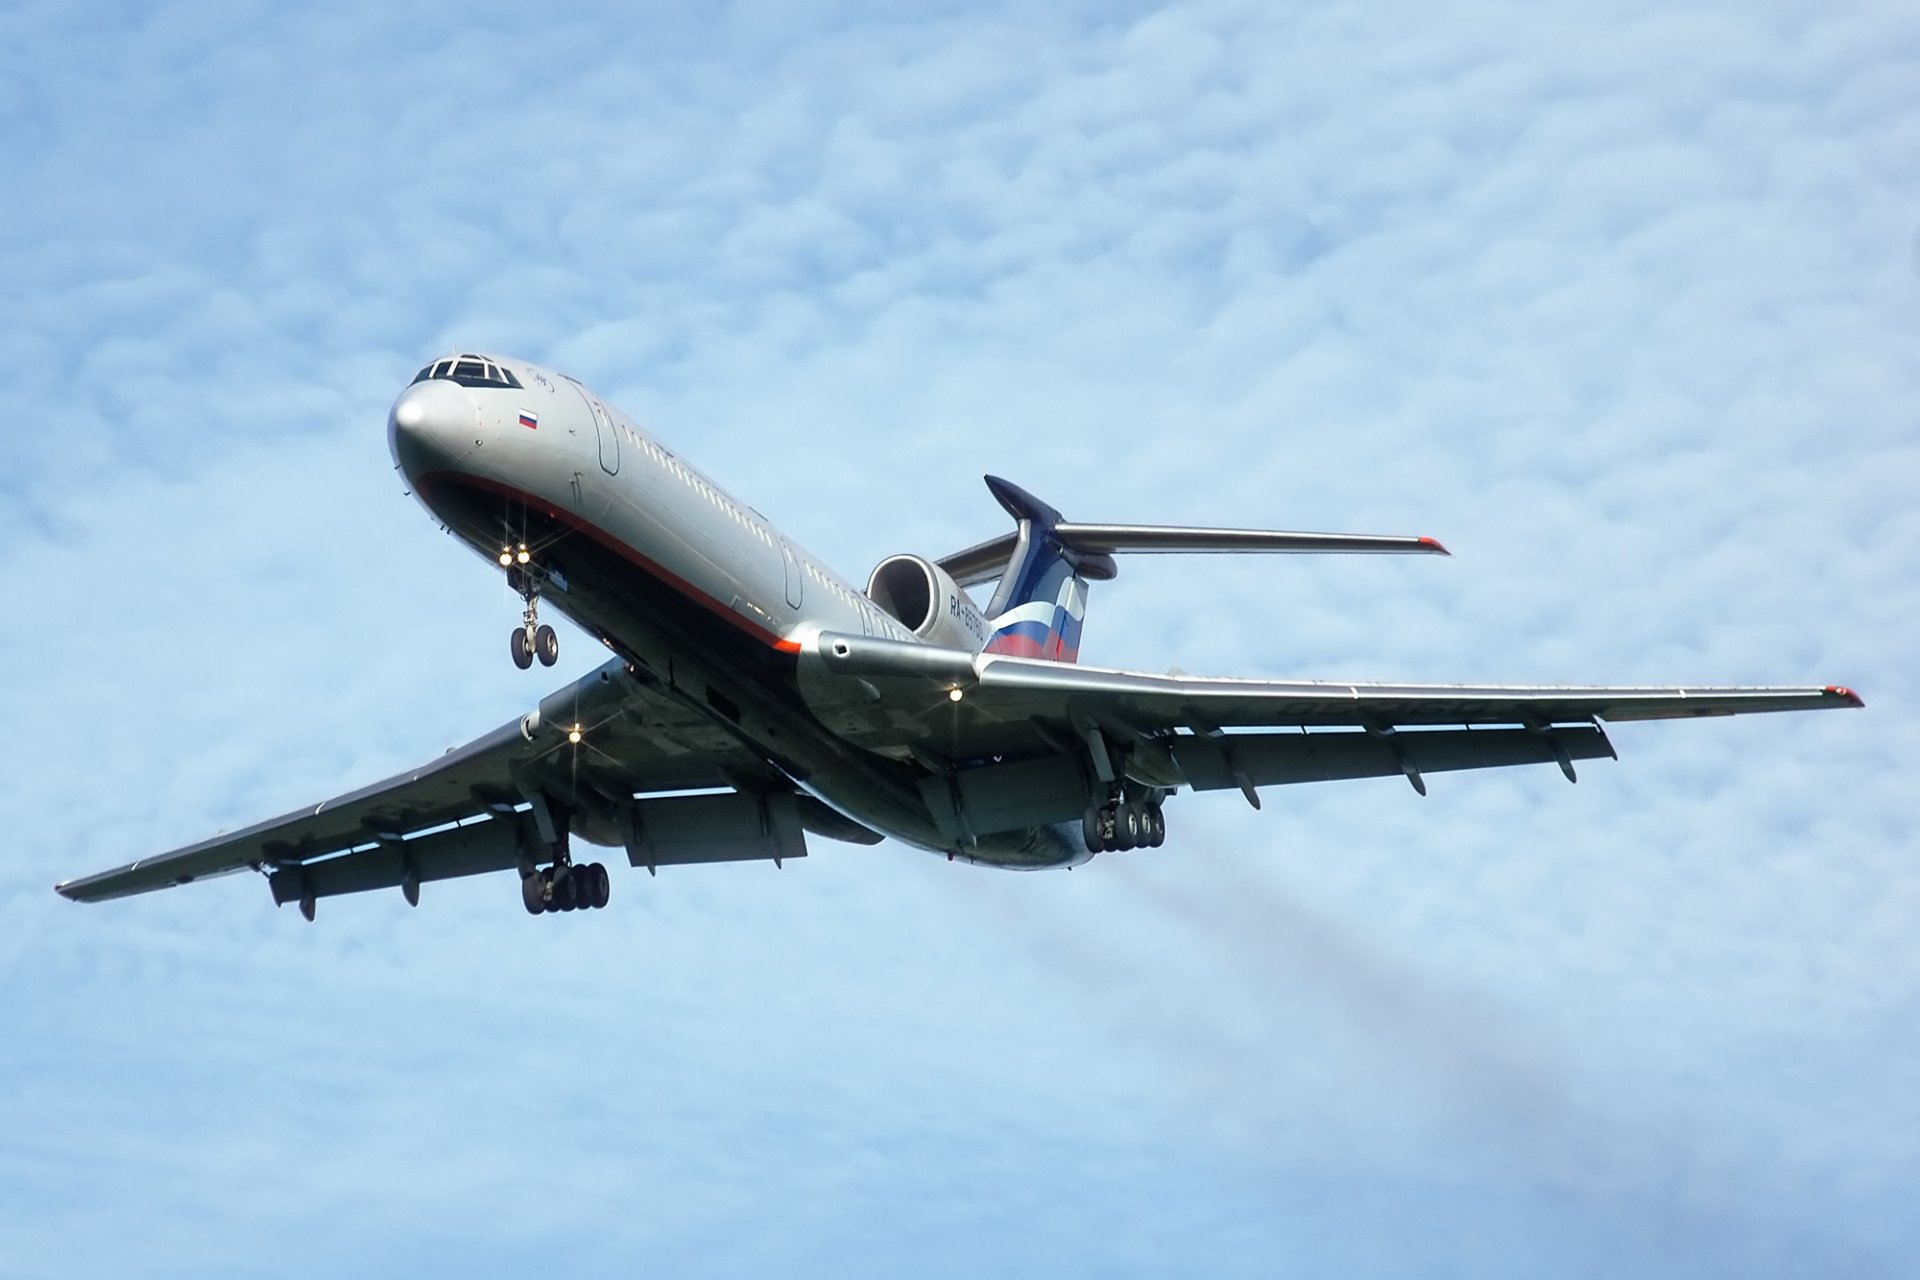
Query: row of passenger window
{"points": [[877, 618], [693, 480]]}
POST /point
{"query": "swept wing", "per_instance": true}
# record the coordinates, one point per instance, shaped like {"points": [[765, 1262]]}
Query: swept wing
{"points": [[1016, 741], [471, 810]]}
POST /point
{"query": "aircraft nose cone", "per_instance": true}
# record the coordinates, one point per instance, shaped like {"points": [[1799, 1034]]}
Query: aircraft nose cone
{"points": [[432, 426]]}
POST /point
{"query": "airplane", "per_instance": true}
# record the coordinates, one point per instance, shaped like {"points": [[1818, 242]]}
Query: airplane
{"points": [[754, 697]]}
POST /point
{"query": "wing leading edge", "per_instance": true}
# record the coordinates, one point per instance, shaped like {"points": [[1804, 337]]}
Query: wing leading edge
{"points": [[971, 707], [1015, 742], [996, 689], [468, 811], [459, 785], [1180, 701]]}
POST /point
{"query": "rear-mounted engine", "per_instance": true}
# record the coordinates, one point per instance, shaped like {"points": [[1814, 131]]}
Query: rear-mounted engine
{"points": [[922, 597]]}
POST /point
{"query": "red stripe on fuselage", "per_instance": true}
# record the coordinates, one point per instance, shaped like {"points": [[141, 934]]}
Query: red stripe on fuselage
{"points": [[625, 552]]}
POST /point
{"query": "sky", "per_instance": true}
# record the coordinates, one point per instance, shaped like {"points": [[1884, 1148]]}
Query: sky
{"points": [[1618, 299]]}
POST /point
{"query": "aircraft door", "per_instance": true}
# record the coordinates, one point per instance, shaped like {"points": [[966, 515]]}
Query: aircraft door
{"points": [[607, 435], [796, 584], [609, 439]]}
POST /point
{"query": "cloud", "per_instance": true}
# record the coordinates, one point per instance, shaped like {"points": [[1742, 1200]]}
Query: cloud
{"points": [[1613, 299]]}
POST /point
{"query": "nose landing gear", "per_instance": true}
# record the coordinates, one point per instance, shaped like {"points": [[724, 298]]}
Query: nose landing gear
{"points": [[532, 638]]}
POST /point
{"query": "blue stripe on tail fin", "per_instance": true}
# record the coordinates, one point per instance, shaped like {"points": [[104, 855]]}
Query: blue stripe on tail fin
{"points": [[1041, 603]]}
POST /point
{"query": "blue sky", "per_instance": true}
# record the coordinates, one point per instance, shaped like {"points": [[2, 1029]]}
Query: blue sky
{"points": [[1617, 299]]}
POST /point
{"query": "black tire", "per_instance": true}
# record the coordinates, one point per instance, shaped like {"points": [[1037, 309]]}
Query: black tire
{"points": [[522, 654], [532, 894], [1091, 830], [546, 645], [566, 889], [1126, 826], [1156, 827], [602, 886]]}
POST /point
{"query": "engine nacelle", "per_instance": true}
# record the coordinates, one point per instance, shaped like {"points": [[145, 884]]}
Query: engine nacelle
{"points": [[924, 598]]}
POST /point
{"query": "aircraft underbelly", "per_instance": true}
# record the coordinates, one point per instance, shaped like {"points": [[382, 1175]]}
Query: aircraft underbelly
{"points": [[692, 616], [719, 660]]}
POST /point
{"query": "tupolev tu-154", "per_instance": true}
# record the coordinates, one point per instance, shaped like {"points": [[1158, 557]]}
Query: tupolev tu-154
{"points": [[755, 697]]}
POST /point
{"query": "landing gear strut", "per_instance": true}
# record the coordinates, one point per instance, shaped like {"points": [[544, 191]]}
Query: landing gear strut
{"points": [[565, 887], [532, 638], [1123, 824]]}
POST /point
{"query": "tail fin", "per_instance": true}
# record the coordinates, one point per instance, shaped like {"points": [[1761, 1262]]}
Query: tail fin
{"points": [[1044, 566], [1041, 602]]}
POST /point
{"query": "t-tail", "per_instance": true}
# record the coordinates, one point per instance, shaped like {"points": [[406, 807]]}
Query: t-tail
{"points": [[1045, 564]]}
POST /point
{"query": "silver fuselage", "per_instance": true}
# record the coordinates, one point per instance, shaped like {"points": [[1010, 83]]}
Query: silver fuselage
{"points": [[683, 582]]}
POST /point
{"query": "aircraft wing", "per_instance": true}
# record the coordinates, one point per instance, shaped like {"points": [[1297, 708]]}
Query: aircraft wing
{"points": [[1014, 737], [632, 739], [1026, 687]]}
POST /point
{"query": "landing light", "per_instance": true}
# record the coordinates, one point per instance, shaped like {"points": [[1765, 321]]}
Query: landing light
{"points": [[573, 735], [506, 557], [954, 695], [523, 557]]}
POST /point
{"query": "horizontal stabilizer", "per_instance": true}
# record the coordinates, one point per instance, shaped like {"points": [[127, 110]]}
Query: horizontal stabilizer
{"points": [[1110, 538], [1090, 545]]}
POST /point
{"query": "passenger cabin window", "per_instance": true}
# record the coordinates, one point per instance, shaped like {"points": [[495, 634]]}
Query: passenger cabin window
{"points": [[469, 371]]}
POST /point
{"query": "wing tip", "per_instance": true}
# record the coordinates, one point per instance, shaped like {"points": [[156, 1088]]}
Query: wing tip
{"points": [[1434, 545], [1846, 695]]}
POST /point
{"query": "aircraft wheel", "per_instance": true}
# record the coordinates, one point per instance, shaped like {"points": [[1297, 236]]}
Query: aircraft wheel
{"points": [[522, 652], [1156, 827], [532, 894], [1126, 826], [602, 885], [565, 897], [1092, 830], [546, 645]]}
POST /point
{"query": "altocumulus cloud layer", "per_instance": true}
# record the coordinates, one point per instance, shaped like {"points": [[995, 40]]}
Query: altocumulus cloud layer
{"points": [[1617, 299]]}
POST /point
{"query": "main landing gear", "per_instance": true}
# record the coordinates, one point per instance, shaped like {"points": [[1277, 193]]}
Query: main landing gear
{"points": [[565, 887], [1123, 824], [562, 885], [532, 638]]}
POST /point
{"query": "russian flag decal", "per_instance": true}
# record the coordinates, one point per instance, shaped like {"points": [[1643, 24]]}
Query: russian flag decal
{"points": [[530, 420]]}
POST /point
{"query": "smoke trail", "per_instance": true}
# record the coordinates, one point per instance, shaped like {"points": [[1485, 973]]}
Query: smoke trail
{"points": [[1296, 1041], [1113, 978], [1286, 959], [1636, 1183]]}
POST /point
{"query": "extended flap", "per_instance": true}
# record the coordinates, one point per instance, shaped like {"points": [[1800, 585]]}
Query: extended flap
{"points": [[726, 826]]}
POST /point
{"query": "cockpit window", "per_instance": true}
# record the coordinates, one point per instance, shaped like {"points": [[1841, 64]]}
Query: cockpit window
{"points": [[469, 371]]}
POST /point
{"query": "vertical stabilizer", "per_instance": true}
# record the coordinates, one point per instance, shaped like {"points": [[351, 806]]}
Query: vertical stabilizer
{"points": [[1044, 566], [1041, 603]]}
